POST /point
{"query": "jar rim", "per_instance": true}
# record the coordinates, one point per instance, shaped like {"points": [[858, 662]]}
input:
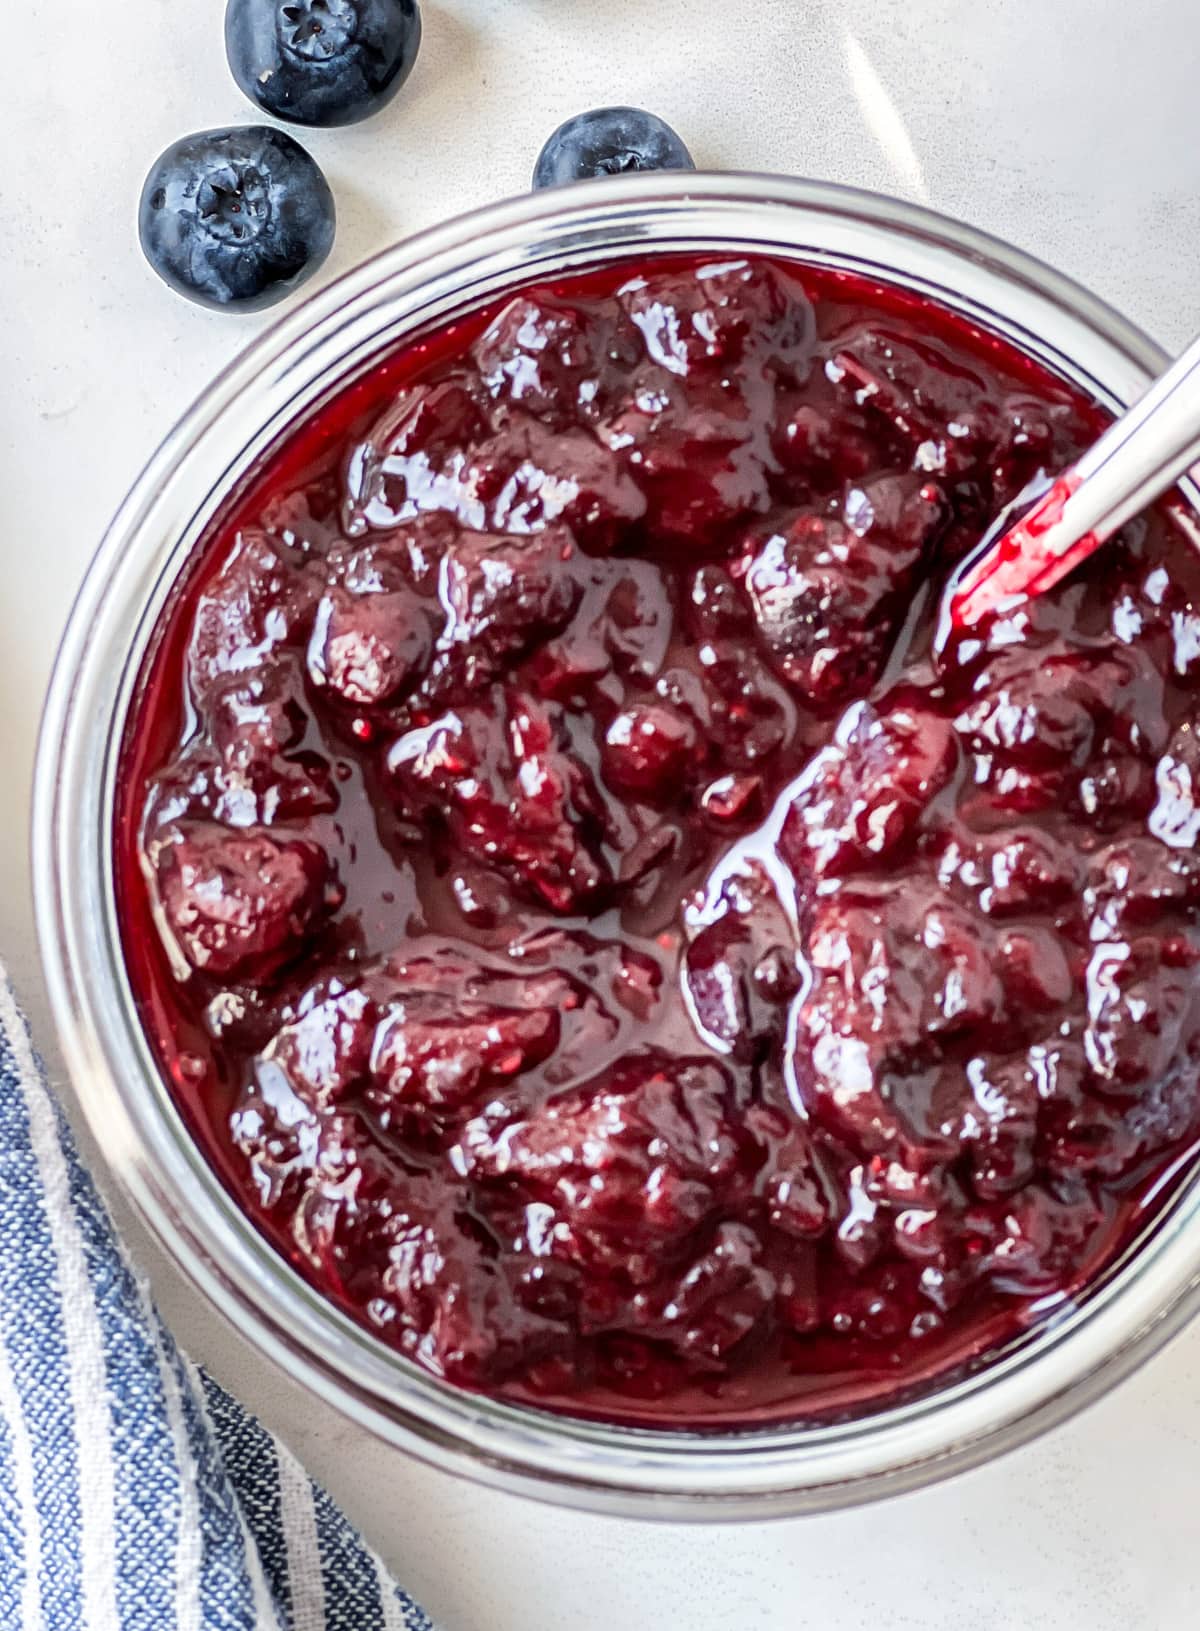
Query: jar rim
{"points": [[778, 1469]]}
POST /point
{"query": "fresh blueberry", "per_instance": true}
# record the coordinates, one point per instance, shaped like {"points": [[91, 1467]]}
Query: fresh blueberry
{"points": [[321, 62], [236, 218], [609, 142]]}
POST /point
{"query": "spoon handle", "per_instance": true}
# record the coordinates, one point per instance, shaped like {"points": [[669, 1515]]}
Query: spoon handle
{"points": [[1139, 456]]}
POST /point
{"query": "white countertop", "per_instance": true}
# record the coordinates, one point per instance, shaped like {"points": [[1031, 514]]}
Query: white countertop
{"points": [[1066, 125]]}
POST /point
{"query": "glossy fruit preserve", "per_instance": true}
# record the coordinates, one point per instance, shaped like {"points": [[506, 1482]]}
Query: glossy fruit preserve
{"points": [[602, 927]]}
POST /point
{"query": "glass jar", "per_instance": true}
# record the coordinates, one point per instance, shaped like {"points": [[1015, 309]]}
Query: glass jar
{"points": [[1049, 1372]]}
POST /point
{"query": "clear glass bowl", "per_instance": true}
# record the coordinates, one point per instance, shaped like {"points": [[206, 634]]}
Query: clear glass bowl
{"points": [[1048, 1373]]}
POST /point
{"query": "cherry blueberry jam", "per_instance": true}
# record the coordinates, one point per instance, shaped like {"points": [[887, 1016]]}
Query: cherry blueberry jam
{"points": [[603, 928]]}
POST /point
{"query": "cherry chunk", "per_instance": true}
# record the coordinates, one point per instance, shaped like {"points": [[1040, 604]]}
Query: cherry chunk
{"points": [[514, 795], [828, 591], [239, 903]]}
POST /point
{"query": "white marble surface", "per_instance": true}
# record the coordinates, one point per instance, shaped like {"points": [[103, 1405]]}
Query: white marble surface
{"points": [[1065, 125]]}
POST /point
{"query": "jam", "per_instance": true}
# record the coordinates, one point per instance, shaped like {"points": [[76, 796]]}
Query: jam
{"points": [[604, 924]]}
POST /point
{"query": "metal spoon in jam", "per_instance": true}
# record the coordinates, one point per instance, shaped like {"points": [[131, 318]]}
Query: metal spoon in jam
{"points": [[1139, 457]]}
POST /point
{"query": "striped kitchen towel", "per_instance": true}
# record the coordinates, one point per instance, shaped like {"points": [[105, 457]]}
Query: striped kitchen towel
{"points": [[136, 1495]]}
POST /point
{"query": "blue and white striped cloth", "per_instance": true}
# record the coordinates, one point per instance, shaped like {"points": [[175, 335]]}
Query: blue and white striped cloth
{"points": [[135, 1495]]}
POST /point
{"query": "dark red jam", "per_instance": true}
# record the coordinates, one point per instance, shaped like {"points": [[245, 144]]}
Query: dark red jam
{"points": [[603, 929]]}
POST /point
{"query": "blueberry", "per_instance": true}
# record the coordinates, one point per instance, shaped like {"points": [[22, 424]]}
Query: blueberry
{"points": [[236, 218], [609, 142], [321, 62]]}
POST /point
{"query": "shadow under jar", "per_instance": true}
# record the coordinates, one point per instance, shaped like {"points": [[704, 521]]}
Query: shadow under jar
{"points": [[629, 1003]]}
